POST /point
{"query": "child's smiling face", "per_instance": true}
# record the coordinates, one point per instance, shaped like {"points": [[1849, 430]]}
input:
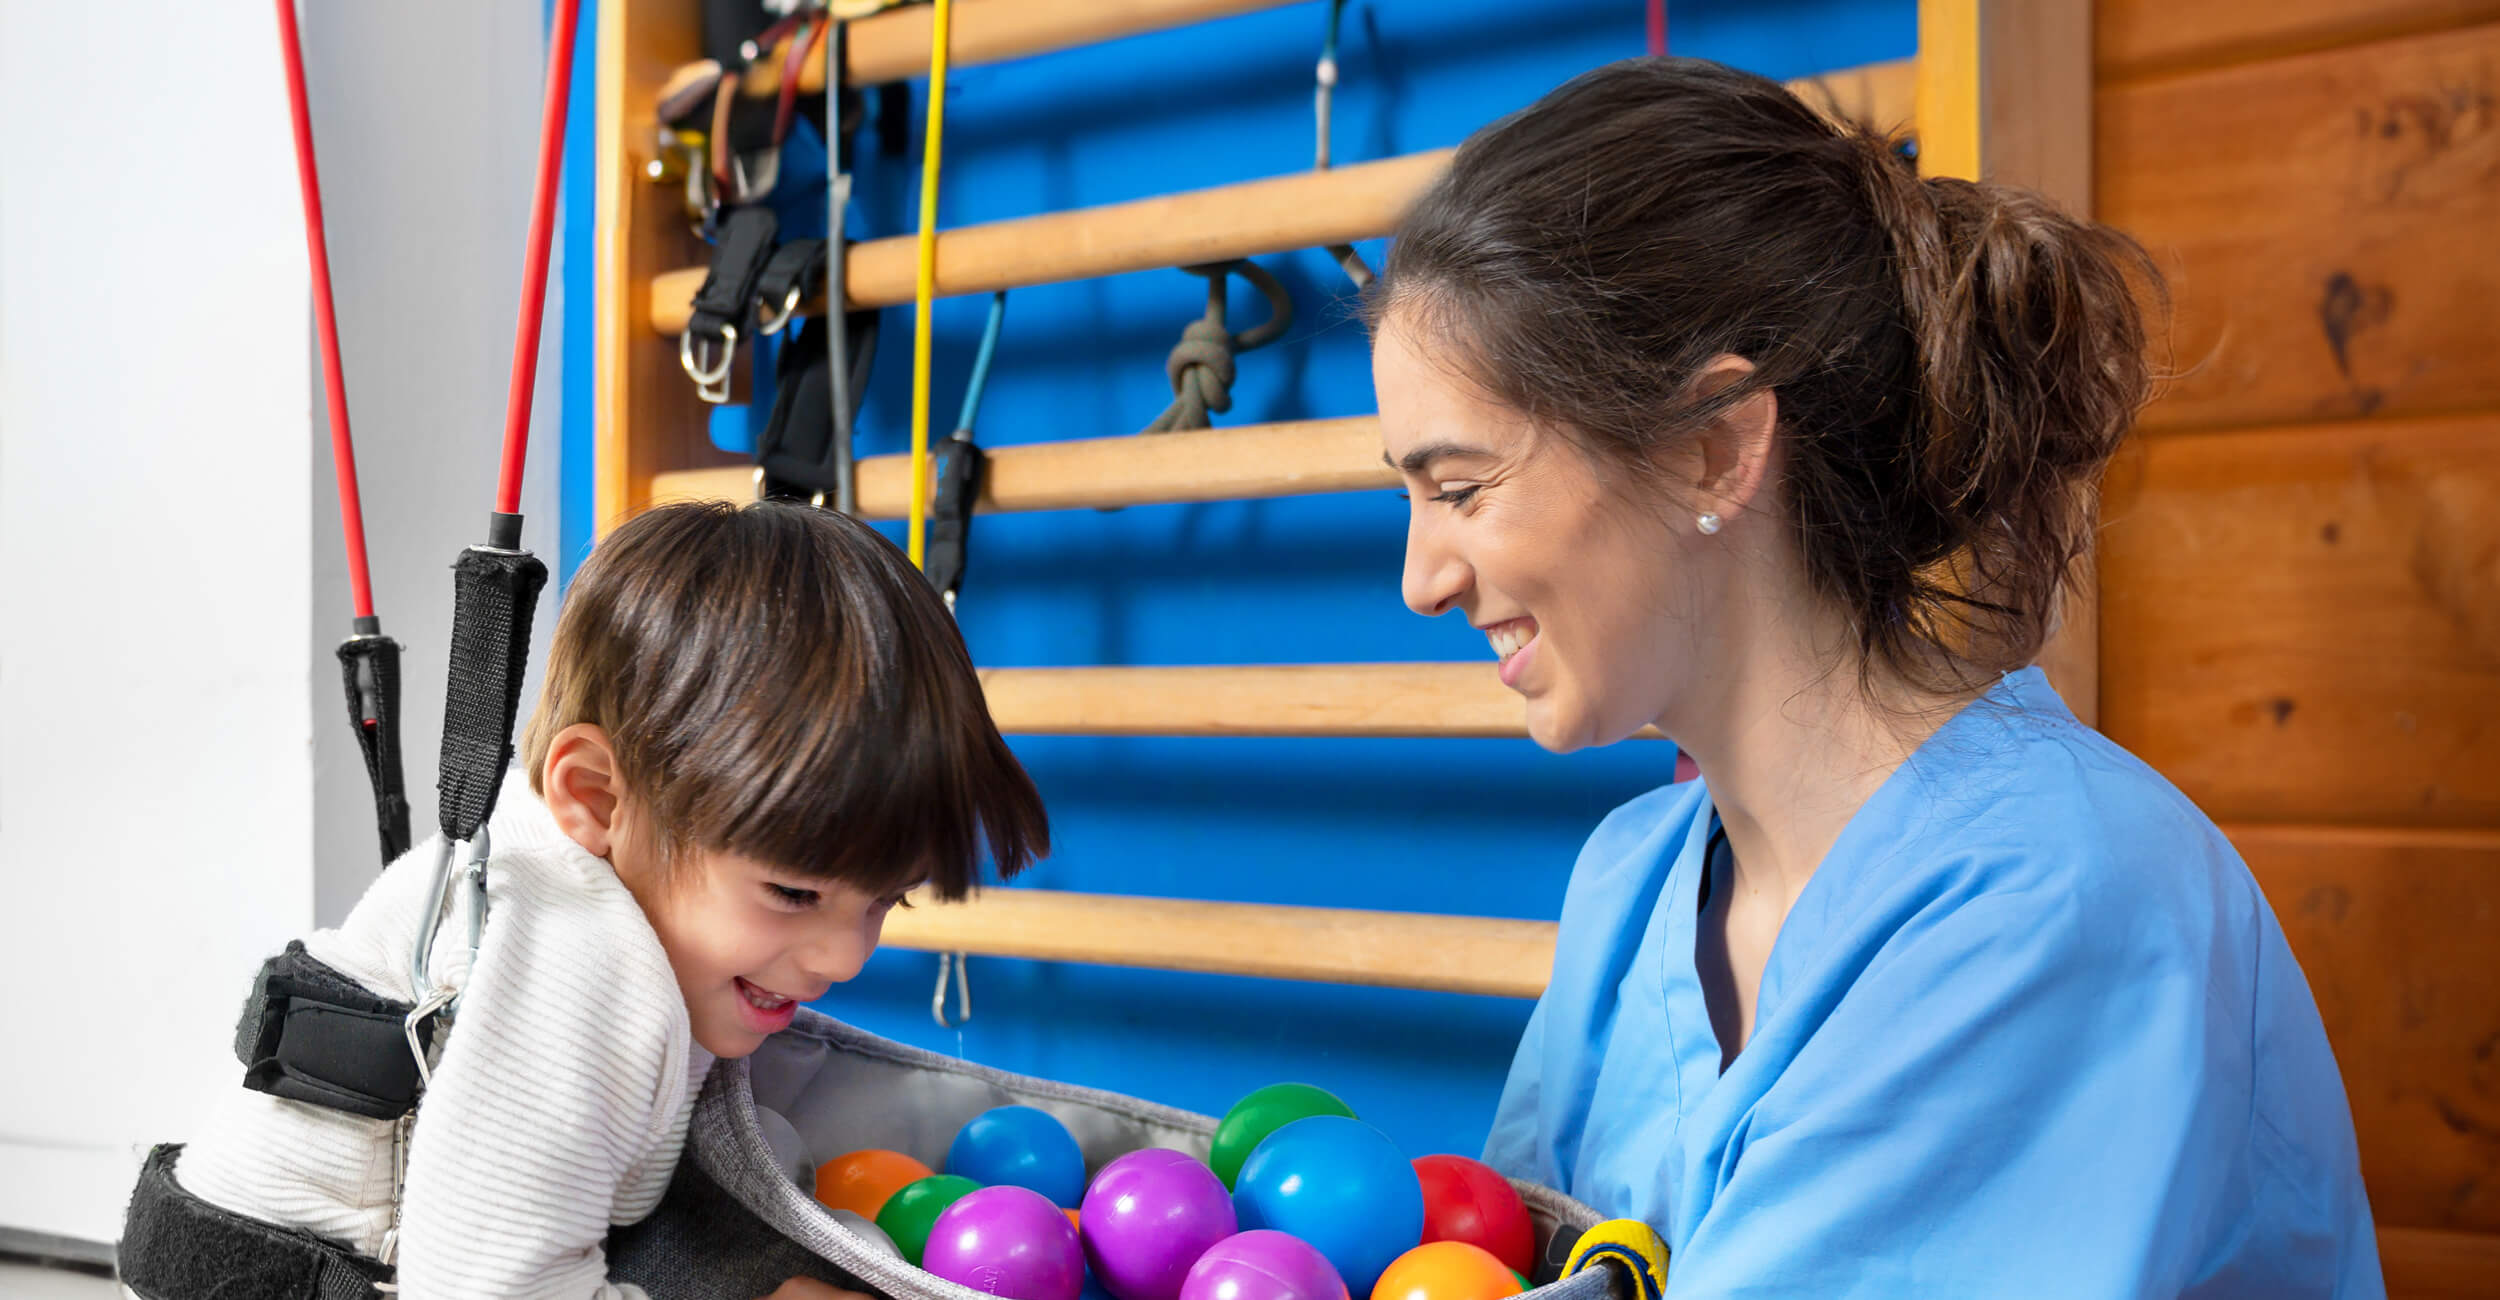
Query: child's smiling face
{"points": [[750, 942]]}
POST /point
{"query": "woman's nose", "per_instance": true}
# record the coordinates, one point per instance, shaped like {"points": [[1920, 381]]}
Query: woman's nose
{"points": [[1435, 576]]}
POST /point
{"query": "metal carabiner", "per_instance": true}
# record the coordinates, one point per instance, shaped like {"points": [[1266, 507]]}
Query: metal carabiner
{"points": [[711, 379], [962, 967]]}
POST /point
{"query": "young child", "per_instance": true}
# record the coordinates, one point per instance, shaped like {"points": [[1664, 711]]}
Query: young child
{"points": [[759, 730]]}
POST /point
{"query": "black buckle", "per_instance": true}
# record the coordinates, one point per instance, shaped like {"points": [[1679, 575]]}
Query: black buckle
{"points": [[310, 1034], [725, 306]]}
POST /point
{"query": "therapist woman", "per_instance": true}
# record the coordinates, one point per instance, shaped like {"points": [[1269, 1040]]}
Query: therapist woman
{"points": [[1717, 417]]}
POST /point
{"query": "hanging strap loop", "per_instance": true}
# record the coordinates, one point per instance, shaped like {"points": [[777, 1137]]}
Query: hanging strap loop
{"points": [[725, 306]]}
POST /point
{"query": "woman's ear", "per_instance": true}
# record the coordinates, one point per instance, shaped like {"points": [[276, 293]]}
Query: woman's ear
{"points": [[583, 791], [1736, 448]]}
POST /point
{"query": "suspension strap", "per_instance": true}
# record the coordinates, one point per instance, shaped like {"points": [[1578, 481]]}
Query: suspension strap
{"points": [[494, 596], [724, 307], [799, 455], [1201, 364]]}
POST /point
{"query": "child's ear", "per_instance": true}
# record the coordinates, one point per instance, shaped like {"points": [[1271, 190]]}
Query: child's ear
{"points": [[583, 791]]}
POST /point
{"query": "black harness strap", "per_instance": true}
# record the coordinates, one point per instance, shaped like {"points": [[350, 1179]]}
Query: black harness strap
{"points": [[724, 308], [175, 1246], [369, 665], [311, 1034], [494, 598], [799, 453]]}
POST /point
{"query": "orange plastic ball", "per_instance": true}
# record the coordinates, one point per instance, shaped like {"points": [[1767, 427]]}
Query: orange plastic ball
{"points": [[1446, 1270], [1073, 1222], [862, 1181]]}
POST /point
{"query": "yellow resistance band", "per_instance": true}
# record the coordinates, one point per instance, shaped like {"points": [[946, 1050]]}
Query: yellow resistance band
{"points": [[926, 290]]}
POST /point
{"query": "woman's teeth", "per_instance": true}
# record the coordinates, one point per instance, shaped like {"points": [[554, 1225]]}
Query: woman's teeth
{"points": [[1508, 638], [761, 1000]]}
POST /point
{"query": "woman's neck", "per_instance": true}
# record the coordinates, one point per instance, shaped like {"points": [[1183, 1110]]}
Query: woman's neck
{"points": [[1792, 747]]}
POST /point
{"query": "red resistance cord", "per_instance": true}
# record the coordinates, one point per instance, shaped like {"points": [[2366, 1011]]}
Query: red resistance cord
{"points": [[1657, 26], [516, 416], [334, 380]]}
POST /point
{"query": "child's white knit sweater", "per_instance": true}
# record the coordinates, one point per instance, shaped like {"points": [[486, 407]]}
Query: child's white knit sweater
{"points": [[558, 1106]]}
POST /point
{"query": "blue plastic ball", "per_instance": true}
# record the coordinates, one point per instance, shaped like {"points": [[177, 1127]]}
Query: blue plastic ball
{"points": [[1339, 1184], [1018, 1146]]}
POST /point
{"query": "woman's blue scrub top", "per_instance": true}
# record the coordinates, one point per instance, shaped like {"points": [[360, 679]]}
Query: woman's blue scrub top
{"points": [[2030, 1030]]}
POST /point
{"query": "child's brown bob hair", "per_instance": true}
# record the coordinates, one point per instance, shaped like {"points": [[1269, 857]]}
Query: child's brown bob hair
{"points": [[778, 682]]}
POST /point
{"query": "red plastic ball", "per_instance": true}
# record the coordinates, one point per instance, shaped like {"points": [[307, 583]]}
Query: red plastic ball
{"points": [[1464, 1200]]}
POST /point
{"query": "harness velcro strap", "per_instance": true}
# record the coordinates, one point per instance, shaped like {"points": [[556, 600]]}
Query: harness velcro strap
{"points": [[175, 1246], [369, 664], [495, 595], [798, 450], [727, 298], [310, 1034], [950, 522]]}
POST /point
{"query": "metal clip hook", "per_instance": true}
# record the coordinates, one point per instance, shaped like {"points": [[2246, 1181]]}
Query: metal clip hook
{"points": [[769, 321], [961, 966], [711, 378]]}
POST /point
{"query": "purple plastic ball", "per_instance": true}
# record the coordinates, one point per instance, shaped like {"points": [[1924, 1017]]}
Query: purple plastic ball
{"points": [[1149, 1215], [1263, 1264], [1010, 1242]]}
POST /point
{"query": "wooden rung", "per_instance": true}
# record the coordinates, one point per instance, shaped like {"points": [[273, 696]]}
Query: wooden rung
{"points": [[1369, 700], [1451, 954], [1299, 210], [895, 44], [1244, 461]]}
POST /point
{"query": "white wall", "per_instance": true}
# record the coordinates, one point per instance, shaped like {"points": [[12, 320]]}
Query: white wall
{"points": [[155, 547], [427, 120], [178, 793]]}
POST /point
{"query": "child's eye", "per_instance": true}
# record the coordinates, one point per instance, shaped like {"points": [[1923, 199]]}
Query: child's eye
{"points": [[1459, 496], [792, 899]]}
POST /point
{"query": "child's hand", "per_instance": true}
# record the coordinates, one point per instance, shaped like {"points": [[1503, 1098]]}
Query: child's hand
{"points": [[808, 1288]]}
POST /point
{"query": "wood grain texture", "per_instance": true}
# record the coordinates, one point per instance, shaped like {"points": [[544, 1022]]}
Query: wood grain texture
{"points": [[2328, 220], [2140, 38], [2423, 1264], [1235, 462], [2303, 624], [2394, 930], [1419, 699], [646, 418], [1452, 954]]}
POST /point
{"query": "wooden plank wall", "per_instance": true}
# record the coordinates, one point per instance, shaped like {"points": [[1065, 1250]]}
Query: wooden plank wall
{"points": [[2300, 577]]}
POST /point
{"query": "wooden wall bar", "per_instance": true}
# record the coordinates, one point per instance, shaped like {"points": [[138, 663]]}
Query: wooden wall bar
{"points": [[2300, 575], [2328, 218]]}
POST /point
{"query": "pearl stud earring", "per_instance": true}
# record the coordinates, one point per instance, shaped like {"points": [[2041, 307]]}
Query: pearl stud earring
{"points": [[1708, 524]]}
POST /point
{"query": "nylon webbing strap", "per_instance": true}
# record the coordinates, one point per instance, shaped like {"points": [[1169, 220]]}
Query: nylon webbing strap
{"points": [[369, 666], [175, 1246], [727, 297], [789, 278], [799, 450], [311, 1034], [495, 594]]}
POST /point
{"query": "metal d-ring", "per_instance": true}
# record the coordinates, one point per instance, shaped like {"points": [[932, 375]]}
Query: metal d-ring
{"points": [[711, 379], [768, 321]]}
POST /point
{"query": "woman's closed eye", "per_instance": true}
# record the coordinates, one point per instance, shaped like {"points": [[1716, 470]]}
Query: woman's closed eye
{"points": [[1457, 494]]}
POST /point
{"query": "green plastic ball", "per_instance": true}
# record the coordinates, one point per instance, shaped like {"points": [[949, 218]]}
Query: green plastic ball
{"points": [[911, 1212], [1263, 1112]]}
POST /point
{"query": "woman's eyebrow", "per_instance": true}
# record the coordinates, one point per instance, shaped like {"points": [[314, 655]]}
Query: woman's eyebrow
{"points": [[1418, 459]]}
